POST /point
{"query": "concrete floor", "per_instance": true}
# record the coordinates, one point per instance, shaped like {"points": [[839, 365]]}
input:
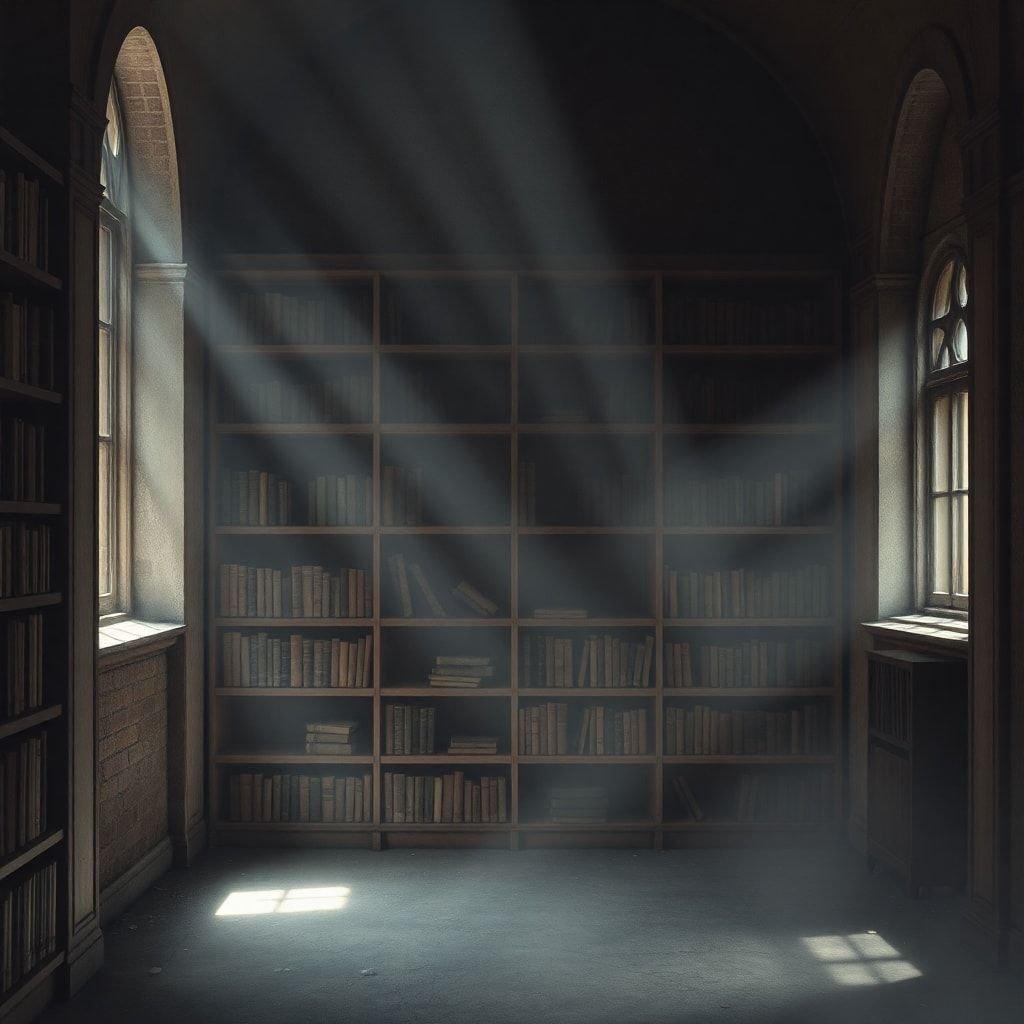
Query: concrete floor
{"points": [[567, 936]]}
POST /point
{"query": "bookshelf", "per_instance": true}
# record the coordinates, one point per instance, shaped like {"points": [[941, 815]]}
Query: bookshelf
{"points": [[556, 440], [34, 577]]}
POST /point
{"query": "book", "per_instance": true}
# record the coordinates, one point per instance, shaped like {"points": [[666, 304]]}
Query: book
{"points": [[560, 613], [436, 608], [473, 599]]}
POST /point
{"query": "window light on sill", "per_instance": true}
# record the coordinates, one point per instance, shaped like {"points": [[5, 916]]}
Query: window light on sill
{"points": [[284, 901]]}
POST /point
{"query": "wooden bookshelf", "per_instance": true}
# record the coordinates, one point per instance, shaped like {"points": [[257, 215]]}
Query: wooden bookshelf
{"points": [[428, 349], [35, 627]]}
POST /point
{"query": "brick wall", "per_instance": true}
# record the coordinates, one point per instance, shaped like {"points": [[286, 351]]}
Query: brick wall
{"points": [[132, 722]]}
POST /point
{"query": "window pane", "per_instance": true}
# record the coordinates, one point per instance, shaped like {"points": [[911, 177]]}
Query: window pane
{"points": [[940, 545], [105, 383], [940, 444], [960, 450], [959, 341], [961, 287], [105, 517], [106, 275], [960, 585], [940, 300], [939, 356]]}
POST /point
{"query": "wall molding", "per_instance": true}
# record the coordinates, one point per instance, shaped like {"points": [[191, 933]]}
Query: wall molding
{"points": [[117, 897]]}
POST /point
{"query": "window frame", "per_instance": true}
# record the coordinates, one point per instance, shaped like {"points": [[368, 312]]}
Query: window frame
{"points": [[117, 604], [933, 384]]}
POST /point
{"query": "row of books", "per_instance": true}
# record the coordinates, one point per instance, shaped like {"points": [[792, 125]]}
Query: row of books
{"points": [[889, 701], [544, 728], [604, 661], [801, 592], [588, 499], [347, 399], [693, 319], [331, 738], [585, 313], [759, 797], [799, 662], [24, 218], [429, 603], [22, 460], [401, 495], [708, 730], [409, 729], [297, 591], [736, 397], [781, 499], [26, 341], [24, 560], [462, 671], [576, 805], [612, 731], [264, 660], [28, 924], [23, 661], [291, 796], [280, 318], [23, 793], [258, 498], [438, 799]]}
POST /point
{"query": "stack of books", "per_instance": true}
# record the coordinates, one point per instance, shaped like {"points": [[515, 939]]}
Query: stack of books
{"points": [[467, 671], [577, 804], [473, 745], [330, 737], [560, 613]]}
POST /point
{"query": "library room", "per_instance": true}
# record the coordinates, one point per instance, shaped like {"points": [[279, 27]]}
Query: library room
{"points": [[510, 511]]}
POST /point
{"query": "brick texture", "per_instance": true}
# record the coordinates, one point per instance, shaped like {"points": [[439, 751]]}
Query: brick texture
{"points": [[132, 763]]}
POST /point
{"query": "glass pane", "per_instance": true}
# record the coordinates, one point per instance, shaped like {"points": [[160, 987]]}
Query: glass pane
{"points": [[960, 585], [960, 450], [105, 516], [940, 300], [940, 357], [106, 276], [940, 444], [106, 383], [961, 287], [940, 545], [960, 341]]}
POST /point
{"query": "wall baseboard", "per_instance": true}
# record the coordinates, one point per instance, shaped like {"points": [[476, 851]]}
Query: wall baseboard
{"points": [[117, 897], [188, 848]]}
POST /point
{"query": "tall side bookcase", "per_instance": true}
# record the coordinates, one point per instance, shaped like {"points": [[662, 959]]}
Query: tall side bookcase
{"points": [[34, 540], [635, 474]]}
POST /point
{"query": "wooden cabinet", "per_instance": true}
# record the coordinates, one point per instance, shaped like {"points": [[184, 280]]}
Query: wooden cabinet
{"points": [[917, 766]]}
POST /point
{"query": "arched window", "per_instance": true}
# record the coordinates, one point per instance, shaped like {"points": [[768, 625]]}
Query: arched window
{"points": [[113, 378], [945, 404]]}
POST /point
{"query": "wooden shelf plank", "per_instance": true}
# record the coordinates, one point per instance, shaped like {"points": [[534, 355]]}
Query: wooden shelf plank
{"points": [[747, 826], [591, 692], [293, 351], [21, 274], [244, 623], [28, 984], [452, 429], [296, 429], [293, 691], [397, 760], [749, 691], [446, 691], [588, 826], [586, 428], [15, 389], [29, 601], [756, 429], [29, 508], [748, 531], [748, 759], [447, 826], [284, 757], [30, 156], [29, 720], [393, 623], [17, 860], [612, 351], [749, 350], [294, 531], [747, 623], [586, 531], [295, 826], [587, 759], [442, 531], [482, 351], [587, 623]]}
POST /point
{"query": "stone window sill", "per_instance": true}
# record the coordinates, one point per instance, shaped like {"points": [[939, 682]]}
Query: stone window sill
{"points": [[937, 632], [131, 639]]}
